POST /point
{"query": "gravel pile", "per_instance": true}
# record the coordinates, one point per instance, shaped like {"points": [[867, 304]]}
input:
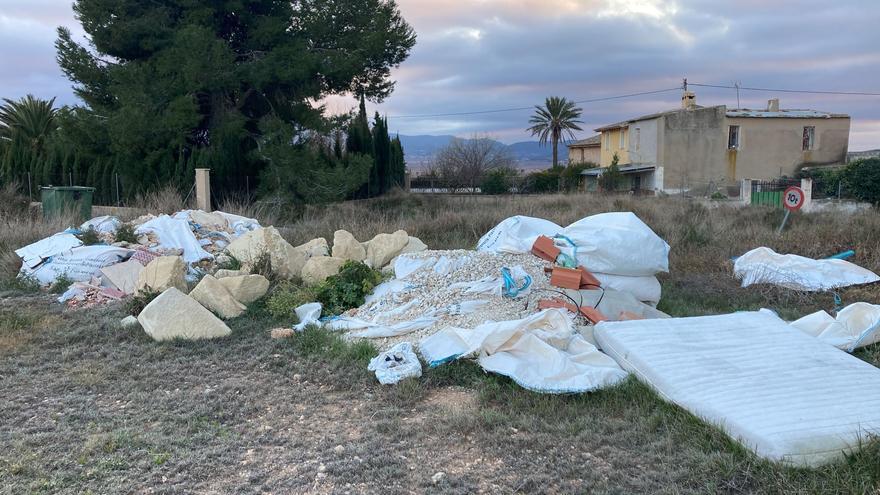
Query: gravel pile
{"points": [[448, 286]]}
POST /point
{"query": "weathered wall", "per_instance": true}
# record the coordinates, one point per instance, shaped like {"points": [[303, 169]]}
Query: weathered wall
{"points": [[584, 154], [612, 147], [642, 141], [692, 148], [770, 147]]}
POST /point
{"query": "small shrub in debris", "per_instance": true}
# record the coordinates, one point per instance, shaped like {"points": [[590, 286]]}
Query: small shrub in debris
{"points": [[60, 285], [263, 266], [348, 288], [20, 283], [139, 301], [286, 297], [125, 233], [228, 262], [89, 237]]}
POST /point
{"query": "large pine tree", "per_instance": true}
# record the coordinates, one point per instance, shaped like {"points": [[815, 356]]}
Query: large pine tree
{"points": [[178, 84]]}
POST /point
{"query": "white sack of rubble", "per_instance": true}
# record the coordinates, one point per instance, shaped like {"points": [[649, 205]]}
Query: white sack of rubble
{"points": [[104, 224], [79, 264], [646, 288], [542, 352], [175, 233], [516, 234], [616, 243], [38, 252], [856, 325], [764, 266]]}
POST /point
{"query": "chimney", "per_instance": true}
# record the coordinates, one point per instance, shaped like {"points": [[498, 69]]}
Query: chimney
{"points": [[773, 105], [688, 100]]}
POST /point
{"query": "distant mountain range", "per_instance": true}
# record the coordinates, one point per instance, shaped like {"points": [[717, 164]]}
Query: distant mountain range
{"points": [[420, 151]]}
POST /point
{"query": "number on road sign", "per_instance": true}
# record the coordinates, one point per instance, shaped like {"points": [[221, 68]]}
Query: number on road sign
{"points": [[793, 198]]}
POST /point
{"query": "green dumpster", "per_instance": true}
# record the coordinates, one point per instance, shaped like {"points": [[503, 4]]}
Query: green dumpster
{"points": [[59, 199]]}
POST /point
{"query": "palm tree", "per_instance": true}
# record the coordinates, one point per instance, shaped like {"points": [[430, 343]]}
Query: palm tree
{"points": [[29, 121], [555, 121]]}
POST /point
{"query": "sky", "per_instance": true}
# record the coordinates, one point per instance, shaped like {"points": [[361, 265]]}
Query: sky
{"points": [[474, 55]]}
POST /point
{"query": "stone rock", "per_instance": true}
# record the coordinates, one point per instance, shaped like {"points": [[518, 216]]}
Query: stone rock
{"points": [[345, 246], [214, 295], [438, 477], [384, 247], [176, 315], [317, 269], [162, 273], [123, 276], [128, 322], [315, 247], [223, 273], [415, 245], [287, 261], [281, 333], [246, 288]]}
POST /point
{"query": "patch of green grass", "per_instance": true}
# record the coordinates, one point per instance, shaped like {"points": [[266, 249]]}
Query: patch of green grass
{"points": [[230, 263], [137, 302], [60, 284], [286, 297], [23, 284], [315, 341]]}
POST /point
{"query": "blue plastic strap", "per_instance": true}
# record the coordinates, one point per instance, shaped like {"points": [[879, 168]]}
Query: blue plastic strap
{"points": [[510, 288], [564, 259]]}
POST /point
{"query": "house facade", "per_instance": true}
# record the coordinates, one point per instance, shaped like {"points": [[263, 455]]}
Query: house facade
{"points": [[585, 151], [697, 148]]}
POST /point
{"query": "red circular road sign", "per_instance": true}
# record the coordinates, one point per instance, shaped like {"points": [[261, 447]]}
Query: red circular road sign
{"points": [[793, 198]]}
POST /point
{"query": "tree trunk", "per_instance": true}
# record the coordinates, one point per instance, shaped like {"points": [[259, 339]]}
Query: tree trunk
{"points": [[555, 144]]}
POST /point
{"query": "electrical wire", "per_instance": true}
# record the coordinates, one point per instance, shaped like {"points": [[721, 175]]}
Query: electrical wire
{"points": [[516, 109], [778, 90]]}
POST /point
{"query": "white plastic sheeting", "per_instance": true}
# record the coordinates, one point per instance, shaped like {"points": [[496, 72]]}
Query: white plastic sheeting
{"points": [[856, 325], [542, 352], [395, 364], [36, 253], [175, 233], [104, 224], [764, 266], [307, 314], [786, 395], [646, 288], [372, 330], [79, 264], [616, 243]]}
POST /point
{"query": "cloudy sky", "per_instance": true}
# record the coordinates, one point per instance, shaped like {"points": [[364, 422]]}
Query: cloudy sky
{"points": [[477, 55]]}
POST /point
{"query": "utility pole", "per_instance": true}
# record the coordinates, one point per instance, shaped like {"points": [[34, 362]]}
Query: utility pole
{"points": [[736, 85]]}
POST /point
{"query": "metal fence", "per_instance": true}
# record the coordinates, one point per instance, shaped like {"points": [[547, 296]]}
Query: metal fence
{"points": [[769, 192]]}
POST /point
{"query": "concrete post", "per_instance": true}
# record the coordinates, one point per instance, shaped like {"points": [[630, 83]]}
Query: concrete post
{"points": [[745, 191], [203, 189], [807, 186]]}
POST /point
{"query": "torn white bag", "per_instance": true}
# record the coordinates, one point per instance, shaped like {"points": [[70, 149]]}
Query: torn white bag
{"points": [[395, 364], [307, 314], [79, 264], [542, 353], [103, 224], [516, 234], [371, 330], [175, 233], [856, 325], [764, 266], [618, 243], [36, 253], [645, 288]]}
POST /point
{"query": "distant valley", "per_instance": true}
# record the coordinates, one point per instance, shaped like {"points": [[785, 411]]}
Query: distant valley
{"points": [[420, 152]]}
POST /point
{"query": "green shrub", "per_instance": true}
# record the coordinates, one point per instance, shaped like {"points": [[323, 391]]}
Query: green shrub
{"points": [[496, 182], [60, 284], [570, 177], [544, 181], [348, 288], [286, 297], [89, 237], [125, 233], [136, 303], [862, 179], [231, 264]]}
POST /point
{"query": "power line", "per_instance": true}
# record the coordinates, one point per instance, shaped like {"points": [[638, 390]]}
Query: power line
{"points": [[516, 109], [777, 90]]}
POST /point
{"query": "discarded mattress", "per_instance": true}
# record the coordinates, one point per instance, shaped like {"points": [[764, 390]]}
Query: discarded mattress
{"points": [[764, 266], [542, 352], [786, 395], [856, 325]]}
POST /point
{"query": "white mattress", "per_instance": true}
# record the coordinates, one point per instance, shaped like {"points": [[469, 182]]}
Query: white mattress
{"points": [[782, 393]]}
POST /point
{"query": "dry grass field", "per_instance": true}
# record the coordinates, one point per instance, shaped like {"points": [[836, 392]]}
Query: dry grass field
{"points": [[87, 407]]}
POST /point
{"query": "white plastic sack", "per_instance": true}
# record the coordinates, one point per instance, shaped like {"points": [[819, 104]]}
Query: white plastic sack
{"points": [[516, 234], [307, 314], [175, 233], [764, 266], [34, 254], [239, 224], [395, 364], [646, 288], [80, 264], [542, 352], [856, 325], [103, 224], [404, 266], [371, 330], [617, 243]]}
